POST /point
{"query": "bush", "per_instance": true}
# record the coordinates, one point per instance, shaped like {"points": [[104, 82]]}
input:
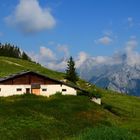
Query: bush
{"points": [[58, 93], [95, 94], [81, 93], [90, 94]]}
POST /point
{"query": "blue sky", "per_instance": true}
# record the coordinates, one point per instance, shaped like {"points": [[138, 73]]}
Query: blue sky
{"points": [[68, 27]]}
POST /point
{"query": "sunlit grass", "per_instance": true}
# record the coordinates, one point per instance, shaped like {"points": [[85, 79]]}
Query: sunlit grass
{"points": [[64, 117]]}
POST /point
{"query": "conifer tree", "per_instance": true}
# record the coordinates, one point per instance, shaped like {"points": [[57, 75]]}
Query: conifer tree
{"points": [[9, 50], [71, 74], [25, 56]]}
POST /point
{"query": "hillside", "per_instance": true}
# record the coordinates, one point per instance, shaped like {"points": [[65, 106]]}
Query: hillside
{"points": [[69, 117], [66, 117], [9, 66], [13, 65]]}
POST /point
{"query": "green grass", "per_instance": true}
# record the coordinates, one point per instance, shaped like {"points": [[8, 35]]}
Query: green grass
{"points": [[64, 117], [29, 117], [127, 108], [106, 133], [11, 66]]}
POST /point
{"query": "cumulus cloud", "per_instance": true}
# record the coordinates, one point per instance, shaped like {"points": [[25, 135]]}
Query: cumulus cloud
{"points": [[44, 56], [58, 65], [47, 53], [52, 59], [129, 56], [133, 57], [105, 40], [64, 49], [30, 17], [100, 59], [82, 57], [131, 45]]}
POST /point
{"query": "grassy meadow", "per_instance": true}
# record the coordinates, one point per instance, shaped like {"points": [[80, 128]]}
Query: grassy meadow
{"points": [[29, 117], [12, 65]]}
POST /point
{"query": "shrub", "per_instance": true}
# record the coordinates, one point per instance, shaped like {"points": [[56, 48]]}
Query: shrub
{"points": [[90, 94], [93, 93], [58, 93], [81, 93]]}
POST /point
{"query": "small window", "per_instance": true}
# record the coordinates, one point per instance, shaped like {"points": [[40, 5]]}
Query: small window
{"points": [[64, 90], [44, 89], [19, 89]]}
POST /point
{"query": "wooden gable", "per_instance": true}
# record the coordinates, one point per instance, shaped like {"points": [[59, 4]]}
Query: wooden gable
{"points": [[28, 79]]}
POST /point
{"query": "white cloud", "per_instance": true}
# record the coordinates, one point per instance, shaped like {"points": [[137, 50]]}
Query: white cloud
{"points": [[52, 59], [105, 40], [64, 49], [30, 17], [130, 57], [47, 53], [133, 57], [44, 56], [82, 57], [131, 45], [100, 59], [60, 65]]}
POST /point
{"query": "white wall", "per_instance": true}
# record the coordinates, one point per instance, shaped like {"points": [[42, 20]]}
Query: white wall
{"points": [[96, 100], [52, 89], [8, 90], [70, 91]]}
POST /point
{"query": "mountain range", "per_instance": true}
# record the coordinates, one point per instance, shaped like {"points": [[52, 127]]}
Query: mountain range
{"points": [[116, 73]]}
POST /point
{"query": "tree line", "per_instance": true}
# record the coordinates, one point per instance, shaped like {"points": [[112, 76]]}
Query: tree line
{"points": [[9, 50]]}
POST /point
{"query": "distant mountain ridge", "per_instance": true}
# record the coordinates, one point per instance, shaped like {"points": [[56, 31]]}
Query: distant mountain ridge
{"points": [[121, 77], [124, 80]]}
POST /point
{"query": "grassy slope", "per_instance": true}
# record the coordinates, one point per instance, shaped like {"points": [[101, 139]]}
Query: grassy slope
{"points": [[66, 117], [12, 65]]}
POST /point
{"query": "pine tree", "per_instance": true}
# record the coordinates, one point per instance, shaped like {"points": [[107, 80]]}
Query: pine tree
{"points": [[25, 56], [71, 74], [12, 51]]}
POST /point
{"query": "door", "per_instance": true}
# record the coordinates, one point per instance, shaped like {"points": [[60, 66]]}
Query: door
{"points": [[36, 91], [27, 90]]}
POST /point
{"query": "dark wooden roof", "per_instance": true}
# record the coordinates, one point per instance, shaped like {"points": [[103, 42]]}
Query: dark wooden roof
{"points": [[24, 73], [36, 73]]}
